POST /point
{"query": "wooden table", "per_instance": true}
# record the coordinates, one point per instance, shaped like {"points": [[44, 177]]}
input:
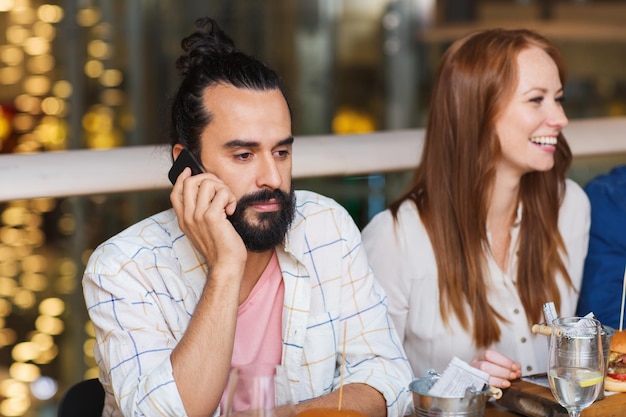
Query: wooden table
{"points": [[613, 405]]}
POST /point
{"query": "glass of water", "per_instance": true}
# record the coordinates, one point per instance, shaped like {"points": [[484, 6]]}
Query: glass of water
{"points": [[576, 362], [258, 390]]}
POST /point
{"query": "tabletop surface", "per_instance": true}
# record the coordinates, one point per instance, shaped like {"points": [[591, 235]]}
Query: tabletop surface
{"points": [[525, 394]]}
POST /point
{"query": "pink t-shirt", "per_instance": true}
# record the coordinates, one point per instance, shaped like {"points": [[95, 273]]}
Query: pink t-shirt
{"points": [[258, 336]]}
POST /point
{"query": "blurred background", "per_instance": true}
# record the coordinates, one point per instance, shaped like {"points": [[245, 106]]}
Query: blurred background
{"points": [[97, 74]]}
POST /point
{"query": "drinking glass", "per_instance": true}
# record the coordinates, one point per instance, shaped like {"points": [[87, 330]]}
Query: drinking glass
{"points": [[576, 362], [258, 390]]}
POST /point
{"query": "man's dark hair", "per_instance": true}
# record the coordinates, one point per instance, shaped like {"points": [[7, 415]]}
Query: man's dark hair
{"points": [[211, 58]]}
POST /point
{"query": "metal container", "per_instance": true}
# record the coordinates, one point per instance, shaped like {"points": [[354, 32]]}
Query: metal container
{"points": [[470, 405]]}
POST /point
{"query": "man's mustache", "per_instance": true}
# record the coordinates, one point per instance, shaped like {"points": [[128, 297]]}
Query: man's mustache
{"points": [[263, 196]]}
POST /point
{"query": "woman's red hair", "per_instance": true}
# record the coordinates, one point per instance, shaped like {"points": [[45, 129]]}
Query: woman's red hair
{"points": [[476, 77]]}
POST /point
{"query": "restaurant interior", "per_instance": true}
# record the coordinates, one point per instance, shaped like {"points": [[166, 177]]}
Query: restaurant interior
{"points": [[98, 74]]}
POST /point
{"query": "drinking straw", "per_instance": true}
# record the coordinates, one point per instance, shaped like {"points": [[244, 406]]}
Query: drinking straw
{"points": [[621, 315], [343, 364]]}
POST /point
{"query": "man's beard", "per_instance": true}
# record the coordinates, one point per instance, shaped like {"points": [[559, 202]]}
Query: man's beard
{"points": [[269, 228]]}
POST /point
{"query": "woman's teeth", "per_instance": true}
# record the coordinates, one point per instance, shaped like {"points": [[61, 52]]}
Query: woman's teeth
{"points": [[544, 140]]}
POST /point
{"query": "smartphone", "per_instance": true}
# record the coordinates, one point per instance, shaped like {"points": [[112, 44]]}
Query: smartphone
{"points": [[185, 159]]}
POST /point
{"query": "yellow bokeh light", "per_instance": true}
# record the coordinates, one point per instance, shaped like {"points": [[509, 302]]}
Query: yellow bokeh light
{"points": [[37, 85], [103, 30], [12, 55], [62, 89], [22, 251], [36, 45], [93, 68], [65, 285], [111, 78], [88, 347], [44, 30], [25, 351], [24, 122], [89, 329], [43, 205], [17, 34], [53, 106], [112, 97], [23, 298], [98, 120], [87, 17], [99, 49], [50, 13], [67, 266], [6, 253], [13, 388], [34, 237], [52, 306], [23, 14], [35, 263], [9, 268], [48, 355], [10, 75], [40, 64], [8, 287], [105, 140], [10, 236], [67, 224], [5, 307], [7, 337], [6, 5], [34, 282], [14, 216], [26, 372], [52, 133], [43, 340], [92, 373], [33, 219], [28, 104], [14, 407], [49, 325]]}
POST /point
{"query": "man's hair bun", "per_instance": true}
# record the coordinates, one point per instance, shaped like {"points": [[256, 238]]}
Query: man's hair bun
{"points": [[207, 43]]}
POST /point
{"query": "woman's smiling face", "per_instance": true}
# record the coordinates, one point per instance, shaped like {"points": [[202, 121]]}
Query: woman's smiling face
{"points": [[531, 121]]}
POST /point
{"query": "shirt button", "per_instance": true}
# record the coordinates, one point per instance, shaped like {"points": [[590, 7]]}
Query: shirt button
{"points": [[529, 368], [516, 311], [523, 340]]}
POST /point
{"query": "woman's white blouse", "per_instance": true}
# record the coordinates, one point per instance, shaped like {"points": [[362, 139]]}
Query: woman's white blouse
{"points": [[404, 263]]}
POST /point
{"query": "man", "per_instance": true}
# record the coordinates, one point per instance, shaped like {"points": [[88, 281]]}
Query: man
{"points": [[603, 276], [242, 269]]}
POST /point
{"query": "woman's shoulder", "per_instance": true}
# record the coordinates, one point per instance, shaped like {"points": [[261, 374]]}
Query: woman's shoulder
{"points": [[575, 208], [575, 196], [406, 216]]}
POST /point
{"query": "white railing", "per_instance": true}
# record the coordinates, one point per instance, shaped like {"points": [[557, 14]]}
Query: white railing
{"points": [[140, 168]]}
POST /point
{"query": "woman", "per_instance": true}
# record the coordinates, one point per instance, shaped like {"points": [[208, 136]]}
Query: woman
{"points": [[489, 229]]}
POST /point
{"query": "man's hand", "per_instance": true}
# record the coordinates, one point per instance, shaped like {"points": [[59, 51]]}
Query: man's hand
{"points": [[500, 368], [202, 203]]}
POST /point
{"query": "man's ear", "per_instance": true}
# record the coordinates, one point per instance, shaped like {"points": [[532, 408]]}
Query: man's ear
{"points": [[176, 150]]}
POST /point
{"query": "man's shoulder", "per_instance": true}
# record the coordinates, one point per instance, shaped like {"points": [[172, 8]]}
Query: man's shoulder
{"points": [[609, 184], [312, 202], [158, 230]]}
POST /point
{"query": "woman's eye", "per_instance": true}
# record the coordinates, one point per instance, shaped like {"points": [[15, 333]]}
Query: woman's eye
{"points": [[560, 99], [537, 99]]}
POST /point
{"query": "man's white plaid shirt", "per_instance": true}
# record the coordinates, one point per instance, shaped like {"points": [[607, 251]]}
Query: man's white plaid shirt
{"points": [[141, 288]]}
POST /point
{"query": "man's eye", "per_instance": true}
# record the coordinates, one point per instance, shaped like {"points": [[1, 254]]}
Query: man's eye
{"points": [[243, 156], [283, 154]]}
